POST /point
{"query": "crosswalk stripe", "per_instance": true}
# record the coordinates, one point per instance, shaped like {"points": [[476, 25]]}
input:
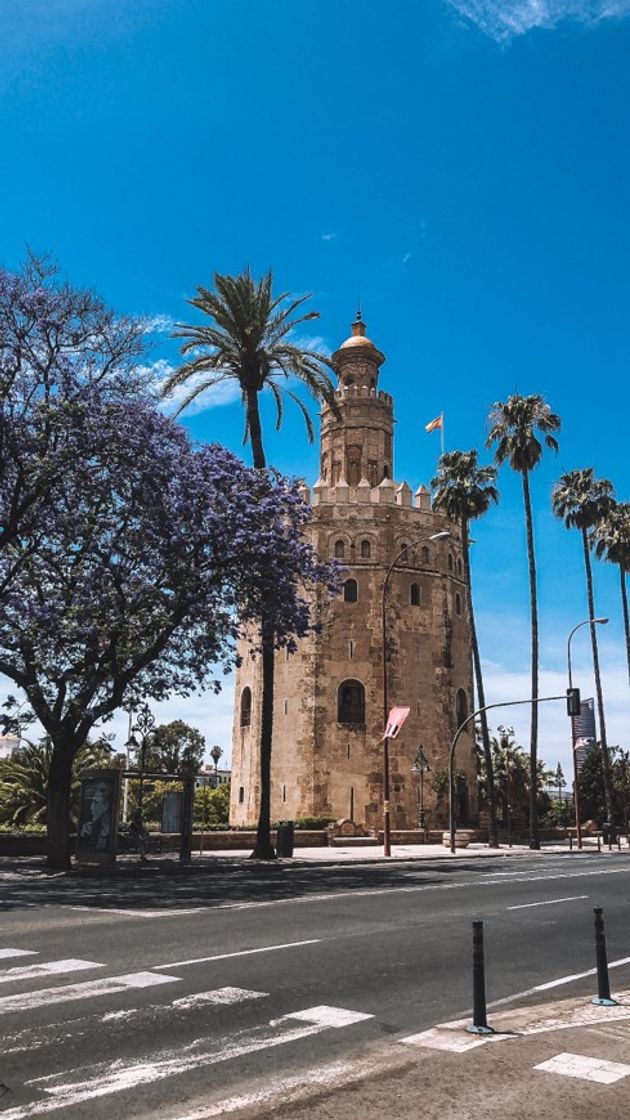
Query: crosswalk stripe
{"points": [[586, 1069], [50, 968], [219, 996], [89, 989], [7, 954], [72, 1087]]}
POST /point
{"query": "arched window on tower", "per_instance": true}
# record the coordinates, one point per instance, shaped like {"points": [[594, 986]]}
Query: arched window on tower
{"points": [[415, 595], [366, 550], [459, 568], [461, 707], [424, 555], [350, 591], [340, 550], [351, 703], [246, 706], [458, 603], [450, 561]]}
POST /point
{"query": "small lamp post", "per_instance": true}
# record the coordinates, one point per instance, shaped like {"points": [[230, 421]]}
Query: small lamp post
{"points": [[421, 767], [145, 726], [576, 787]]}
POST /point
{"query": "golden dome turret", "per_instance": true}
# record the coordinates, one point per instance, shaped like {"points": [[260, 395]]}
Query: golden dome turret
{"points": [[358, 351]]}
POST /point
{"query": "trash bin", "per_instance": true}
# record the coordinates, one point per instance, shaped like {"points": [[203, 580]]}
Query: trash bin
{"points": [[284, 840]]}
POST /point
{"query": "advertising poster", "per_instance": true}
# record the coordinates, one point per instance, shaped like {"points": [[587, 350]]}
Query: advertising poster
{"points": [[98, 816]]}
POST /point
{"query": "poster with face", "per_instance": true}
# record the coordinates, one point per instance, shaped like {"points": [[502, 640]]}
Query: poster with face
{"points": [[98, 816]]}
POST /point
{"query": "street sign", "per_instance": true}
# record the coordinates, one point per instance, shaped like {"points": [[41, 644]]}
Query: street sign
{"points": [[395, 720]]}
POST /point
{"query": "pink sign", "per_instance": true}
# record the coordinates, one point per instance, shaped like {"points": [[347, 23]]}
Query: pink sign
{"points": [[395, 720]]}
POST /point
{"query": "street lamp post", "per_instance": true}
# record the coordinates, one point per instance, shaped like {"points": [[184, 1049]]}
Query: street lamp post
{"points": [[421, 767], [144, 725], [576, 788], [387, 847]]}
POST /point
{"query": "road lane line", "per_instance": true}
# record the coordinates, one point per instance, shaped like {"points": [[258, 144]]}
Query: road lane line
{"points": [[120, 912], [50, 968], [586, 1069], [556, 983], [6, 954], [547, 902], [105, 1078], [326, 1016], [241, 953], [90, 989]]}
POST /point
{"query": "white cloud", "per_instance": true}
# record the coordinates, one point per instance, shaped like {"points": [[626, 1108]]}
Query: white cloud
{"points": [[407, 257], [503, 20], [328, 236], [158, 324], [224, 393]]}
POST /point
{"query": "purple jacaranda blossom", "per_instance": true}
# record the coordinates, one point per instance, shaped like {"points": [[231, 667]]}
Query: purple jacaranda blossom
{"points": [[130, 559]]}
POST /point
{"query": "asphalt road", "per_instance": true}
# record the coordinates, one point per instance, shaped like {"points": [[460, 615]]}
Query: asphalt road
{"points": [[171, 997]]}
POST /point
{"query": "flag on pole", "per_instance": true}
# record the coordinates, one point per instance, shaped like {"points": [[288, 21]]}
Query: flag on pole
{"points": [[435, 424]]}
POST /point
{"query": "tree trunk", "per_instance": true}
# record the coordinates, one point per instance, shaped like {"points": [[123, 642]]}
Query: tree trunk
{"points": [[255, 430], [534, 841], [481, 699], [263, 848], [598, 679], [58, 812], [626, 619]]}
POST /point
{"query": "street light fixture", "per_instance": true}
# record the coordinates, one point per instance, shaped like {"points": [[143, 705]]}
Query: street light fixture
{"points": [[421, 767], [576, 788], [387, 847]]}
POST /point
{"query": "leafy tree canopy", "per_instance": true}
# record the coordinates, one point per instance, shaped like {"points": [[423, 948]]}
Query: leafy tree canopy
{"points": [[175, 748]]}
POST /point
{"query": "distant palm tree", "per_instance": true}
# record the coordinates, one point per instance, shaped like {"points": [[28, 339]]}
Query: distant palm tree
{"points": [[24, 780], [514, 425], [612, 541], [247, 341], [465, 491], [582, 502]]}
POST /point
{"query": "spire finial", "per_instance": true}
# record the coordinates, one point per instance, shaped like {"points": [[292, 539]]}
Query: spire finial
{"points": [[358, 327]]}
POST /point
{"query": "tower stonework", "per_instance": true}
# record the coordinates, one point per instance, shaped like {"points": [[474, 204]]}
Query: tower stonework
{"points": [[328, 725]]}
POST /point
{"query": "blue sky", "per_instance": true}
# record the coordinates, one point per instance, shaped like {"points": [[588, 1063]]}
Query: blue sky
{"points": [[463, 163]]}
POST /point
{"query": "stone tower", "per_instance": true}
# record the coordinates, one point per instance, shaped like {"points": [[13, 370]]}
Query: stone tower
{"points": [[328, 703]]}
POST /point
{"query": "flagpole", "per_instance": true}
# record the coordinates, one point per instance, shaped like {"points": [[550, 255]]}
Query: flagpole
{"points": [[442, 433]]}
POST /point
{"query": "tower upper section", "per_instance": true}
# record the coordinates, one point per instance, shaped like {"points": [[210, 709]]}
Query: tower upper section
{"points": [[357, 444]]}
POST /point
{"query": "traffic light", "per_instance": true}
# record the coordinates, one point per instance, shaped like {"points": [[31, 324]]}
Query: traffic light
{"points": [[573, 702]]}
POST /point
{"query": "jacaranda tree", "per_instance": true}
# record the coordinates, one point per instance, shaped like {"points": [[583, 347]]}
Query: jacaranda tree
{"points": [[127, 572]]}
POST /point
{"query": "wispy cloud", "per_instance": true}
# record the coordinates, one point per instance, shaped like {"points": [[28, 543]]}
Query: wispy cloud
{"points": [[311, 342], [503, 20], [407, 257], [158, 324], [159, 371], [328, 236]]}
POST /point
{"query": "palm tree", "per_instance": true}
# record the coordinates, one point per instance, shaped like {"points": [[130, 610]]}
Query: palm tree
{"points": [[514, 428], [582, 502], [247, 341], [25, 774], [612, 541], [465, 491]]}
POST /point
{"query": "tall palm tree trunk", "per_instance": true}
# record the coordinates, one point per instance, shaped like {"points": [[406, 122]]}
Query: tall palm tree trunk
{"points": [[598, 678], [263, 848], [626, 617], [534, 841], [481, 699]]}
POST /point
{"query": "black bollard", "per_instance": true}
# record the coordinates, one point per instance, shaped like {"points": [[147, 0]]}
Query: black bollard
{"points": [[604, 998], [480, 1022]]}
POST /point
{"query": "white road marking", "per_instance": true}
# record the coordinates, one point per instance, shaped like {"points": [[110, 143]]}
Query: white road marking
{"points": [[138, 913], [437, 1039], [241, 953], [556, 983], [105, 1078], [587, 1069], [325, 1016], [218, 996], [51, 968], [90, 989], [518, 877], [547, 902], [6, 954]]}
